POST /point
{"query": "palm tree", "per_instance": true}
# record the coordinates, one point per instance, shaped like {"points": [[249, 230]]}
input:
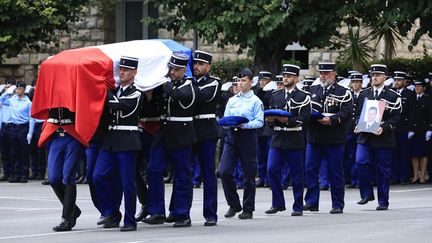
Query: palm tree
{"points": [[390, 34], [356, 49]]}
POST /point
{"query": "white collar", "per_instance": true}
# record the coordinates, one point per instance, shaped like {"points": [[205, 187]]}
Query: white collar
{"points": [[379, 89]]}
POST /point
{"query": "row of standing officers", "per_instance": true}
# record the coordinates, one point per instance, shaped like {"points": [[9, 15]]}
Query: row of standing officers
{"points": [[141, 133]]}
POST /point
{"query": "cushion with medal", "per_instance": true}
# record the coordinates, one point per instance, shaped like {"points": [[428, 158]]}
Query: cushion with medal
{"points": [[277, 112], [316, 115], [232, 121]]}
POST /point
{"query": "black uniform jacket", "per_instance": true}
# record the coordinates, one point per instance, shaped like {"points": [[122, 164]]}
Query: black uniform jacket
{"points": [[123, 134], [209, 91], [421, 114], [388, 122], [265, 98], [408, 99], [336, 103], [177, 110], [290, 135]]}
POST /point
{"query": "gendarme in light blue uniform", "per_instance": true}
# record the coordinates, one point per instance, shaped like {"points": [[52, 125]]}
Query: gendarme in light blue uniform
{"points": [[249, 106]]}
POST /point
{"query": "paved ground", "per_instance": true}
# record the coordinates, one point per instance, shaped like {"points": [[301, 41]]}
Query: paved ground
{"points": [[29, 211]]}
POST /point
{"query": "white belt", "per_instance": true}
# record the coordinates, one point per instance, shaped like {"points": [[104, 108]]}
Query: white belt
{"points": [[329, 114], [123, 128], [150, 119], [175, 118], [63, 121], [204, 116], [288, 129]]}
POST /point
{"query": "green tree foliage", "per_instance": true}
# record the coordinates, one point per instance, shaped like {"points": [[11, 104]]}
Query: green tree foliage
{"points": [[356, 50], [34, 23], [265, 27]]}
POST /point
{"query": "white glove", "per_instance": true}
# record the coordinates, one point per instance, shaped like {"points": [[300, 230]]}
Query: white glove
{"points": [[11, 89], [29, 137], [410, 135], [428, 135]]}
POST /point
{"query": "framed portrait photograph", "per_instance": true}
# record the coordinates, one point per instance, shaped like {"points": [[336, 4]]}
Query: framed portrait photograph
{"points": [[371, 115]]}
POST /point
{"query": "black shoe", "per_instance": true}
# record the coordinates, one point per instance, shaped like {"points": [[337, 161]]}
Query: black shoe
{"points": [[80, 180], [23, 180], [198, 185], [4, 178], [169, 179], [284, 187], [245, 215], [274, 210], [366, 200], [32, 177], [311, 208], [40, 177], [102, 220], [113, 221], [128, 228], [351, 186], [170, 219], [181, 223], [324, 188], [382, 208], [65, 225], [75, 215], [13, 179], [260, 184], [210, 222], [336, 211], [45, 182], [143, 213], [297, 213], [232, 212], [404, 183], [155, 219]]}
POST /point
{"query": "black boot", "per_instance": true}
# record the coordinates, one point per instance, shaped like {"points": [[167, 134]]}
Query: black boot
{"points": [[70, 210]]}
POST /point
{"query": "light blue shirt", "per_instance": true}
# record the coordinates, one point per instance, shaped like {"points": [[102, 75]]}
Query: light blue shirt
{"points": [[5, 110], [20, 109], [246, 105]]}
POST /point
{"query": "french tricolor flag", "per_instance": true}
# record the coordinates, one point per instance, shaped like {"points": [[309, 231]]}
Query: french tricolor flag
{"points": [[77, 79]]}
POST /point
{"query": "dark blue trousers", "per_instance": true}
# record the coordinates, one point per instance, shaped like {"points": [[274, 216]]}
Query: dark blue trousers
{"points": [[333, 154], [181, 199], [243, 145], [323, 173], [205, 152], [350, 166], [92, 153], [401, 161], [5, 150], [286, 175], [263, 152], [381, 158], [239, 174], [38, 155], [197, 177], [114, 175], [278, 158], [19, 150], [63, 156]]}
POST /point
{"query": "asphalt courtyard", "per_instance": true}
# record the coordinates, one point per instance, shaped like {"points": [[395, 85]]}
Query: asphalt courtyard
{"points": [[29, 211]]}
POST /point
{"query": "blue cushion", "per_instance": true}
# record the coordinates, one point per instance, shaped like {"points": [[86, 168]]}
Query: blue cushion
{"points": [[277, 112], [230, 121], [316, 115]]}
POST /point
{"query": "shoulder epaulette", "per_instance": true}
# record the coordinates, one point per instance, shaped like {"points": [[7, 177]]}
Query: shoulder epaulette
{"points": [[395, 92], [214, 77]]}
